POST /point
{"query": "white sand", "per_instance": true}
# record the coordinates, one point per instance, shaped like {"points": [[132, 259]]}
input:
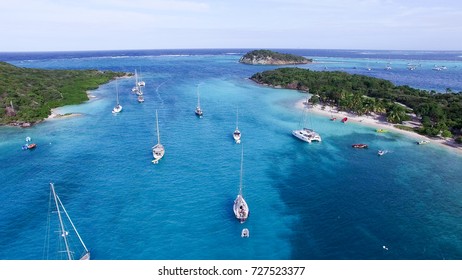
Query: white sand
{"points": [[377, 121]]}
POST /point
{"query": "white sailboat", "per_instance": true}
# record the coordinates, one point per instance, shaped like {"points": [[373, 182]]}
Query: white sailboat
{"points": [[117, 107], [66, 233], [237, 132], [198, 110], [306, 134], [240, 207], [135, 88], [158, 150], [140, 96], [141, 83]]}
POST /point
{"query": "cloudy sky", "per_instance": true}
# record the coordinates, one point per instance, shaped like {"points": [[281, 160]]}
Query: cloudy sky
{"points": [[54, 25]]}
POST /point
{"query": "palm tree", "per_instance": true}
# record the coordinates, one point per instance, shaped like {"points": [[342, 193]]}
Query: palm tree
{"points": [[396, 114]]}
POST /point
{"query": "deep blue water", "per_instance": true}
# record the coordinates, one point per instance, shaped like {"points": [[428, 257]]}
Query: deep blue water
{"points": [[307, 201]]}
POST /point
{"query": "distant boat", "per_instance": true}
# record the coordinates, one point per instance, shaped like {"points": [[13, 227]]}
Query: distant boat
{"points": [[240, 207], [67, 233], [158, 150], [138, 85], [140, 98], [198, 110], [135, 89], [344, 120], [381, 130], [31, 146], [117, 107], [28, 145], [237, 132], [422, 142], [382, 152], [245, 233], [306, 134], [360, 146], [141, 83]]}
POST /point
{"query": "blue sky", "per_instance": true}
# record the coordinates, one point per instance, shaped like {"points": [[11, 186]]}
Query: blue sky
{"points": [[53, 25]]}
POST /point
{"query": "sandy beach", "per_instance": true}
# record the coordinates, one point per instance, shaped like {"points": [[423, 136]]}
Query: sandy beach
{"points": [[377, 122], [55, 115]]}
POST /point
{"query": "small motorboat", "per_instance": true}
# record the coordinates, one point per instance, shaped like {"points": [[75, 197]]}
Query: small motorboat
{"points": [[245, 233], [359, 146], [382, 152], [344, 120], [422, 142]]}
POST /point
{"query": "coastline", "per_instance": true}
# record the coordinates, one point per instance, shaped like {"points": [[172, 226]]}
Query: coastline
{"points": [[55, 115], [377, 122]]}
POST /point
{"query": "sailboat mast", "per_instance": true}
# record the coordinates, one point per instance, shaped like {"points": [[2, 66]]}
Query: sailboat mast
{"points": [[157, 128], [63, 231], [117, 92], [198, 99], [242, 165], [72, 224], [237, 118]]}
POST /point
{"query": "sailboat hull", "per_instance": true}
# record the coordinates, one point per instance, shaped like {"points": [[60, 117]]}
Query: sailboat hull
{"points": [[237, 136], [307, 135], [158, 151], [241, 209]]}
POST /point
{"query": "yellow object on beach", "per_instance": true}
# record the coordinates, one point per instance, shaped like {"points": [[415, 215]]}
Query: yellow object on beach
{"points": [[381, 130]]}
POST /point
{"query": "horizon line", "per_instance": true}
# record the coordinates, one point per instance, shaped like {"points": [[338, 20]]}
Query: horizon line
{"points": [[231, 48]]}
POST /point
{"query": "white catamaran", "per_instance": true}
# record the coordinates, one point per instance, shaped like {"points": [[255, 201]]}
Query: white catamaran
{"points": [[67, 229], [158, 150], [306, 134], [240, 207], [237, 132]]}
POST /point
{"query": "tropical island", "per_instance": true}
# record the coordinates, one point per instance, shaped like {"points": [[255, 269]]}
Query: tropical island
{"points": [[28, 95], [436, 114], [267, 57]]}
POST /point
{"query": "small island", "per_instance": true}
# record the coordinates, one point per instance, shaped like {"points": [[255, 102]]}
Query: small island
{"points": [[425, 112], [28, 95], [267, 57]]}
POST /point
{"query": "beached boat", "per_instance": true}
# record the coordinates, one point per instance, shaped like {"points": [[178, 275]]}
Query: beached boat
{"points": [[333, 118], [245, 233], [344, 120], [117, 107], [67, 229], [381, 130], [198, 110], [240, 207], [304, 133], [158, 150], [237, 132], [359, 146]]}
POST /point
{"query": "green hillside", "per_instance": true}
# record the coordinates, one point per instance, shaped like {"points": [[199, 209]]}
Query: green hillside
{"points": [[28, 95]]}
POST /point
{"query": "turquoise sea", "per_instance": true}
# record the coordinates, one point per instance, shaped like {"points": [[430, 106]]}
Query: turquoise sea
{"points": [[320, 201]]}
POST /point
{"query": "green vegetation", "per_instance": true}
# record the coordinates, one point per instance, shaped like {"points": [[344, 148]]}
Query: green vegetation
{"points": [[271, 57], [440, 113], [28, 95]]}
